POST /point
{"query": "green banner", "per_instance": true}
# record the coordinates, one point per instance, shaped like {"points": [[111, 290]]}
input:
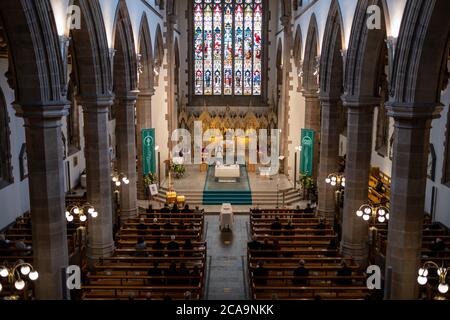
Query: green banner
{"points": [[148, 151], [307, 154]]}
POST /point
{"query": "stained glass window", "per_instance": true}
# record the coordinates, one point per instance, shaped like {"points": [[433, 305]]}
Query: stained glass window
{"points": [[228, 47]]}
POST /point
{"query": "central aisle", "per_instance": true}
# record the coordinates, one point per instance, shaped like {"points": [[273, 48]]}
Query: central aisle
{"points": [[227, 277]]}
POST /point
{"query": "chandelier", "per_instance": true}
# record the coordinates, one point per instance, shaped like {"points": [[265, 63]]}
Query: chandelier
{"points": [[377, 212], [17, 274], [335, 179], [119, 178], [81, 211], [442, 272]]}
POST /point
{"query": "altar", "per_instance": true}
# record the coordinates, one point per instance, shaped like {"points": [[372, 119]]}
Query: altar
{"points": [[227, 173]]}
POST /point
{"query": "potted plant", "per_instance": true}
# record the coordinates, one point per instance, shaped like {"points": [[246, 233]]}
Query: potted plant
{"points": [[149, 179], [309, 188], [179, 170]]}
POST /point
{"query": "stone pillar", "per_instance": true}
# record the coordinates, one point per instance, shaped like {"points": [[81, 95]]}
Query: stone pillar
{"points": [[143, 121], [312, 121], [98, 169], [126, 148], [359, 151], [409, 177], [47, 200], [329, 154]]}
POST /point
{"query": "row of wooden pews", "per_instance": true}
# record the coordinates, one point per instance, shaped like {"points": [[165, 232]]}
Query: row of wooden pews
{"points": [[302, 239], [169, 265]]}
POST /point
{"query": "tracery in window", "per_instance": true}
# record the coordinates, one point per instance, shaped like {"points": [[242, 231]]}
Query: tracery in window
{"points": [[228, 47]]}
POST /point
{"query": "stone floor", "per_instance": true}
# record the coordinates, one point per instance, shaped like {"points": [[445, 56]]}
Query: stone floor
{"points": [[227, 276]]}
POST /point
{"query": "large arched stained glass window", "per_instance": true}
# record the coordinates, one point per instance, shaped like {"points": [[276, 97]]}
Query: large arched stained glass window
{"points": [[228, 47]]}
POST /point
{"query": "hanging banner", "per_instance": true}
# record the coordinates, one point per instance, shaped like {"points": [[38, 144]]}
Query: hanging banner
{"points": [[148, 151], [307, 153]]}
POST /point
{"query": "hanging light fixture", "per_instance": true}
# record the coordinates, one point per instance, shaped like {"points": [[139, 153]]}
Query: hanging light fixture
{"points": [[336, 179], [378, 212], [17, 274], [81, 211], [441, 272], [119, 179]]}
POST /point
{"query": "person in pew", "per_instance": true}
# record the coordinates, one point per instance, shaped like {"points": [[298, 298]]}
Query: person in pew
{"points": [[165, 209], [4, 243], [308, 209], [154, 227], [379, 187], [276, 249], [141, 246], [155, 272], [260, 274], [289, 229], [168, 227], [173, 247], [149, 209], [321, 226], [275, 226], [345, 271], [438, 247], [158, 248], [186, 209], [183, 272], [257, 212], [142, 227], [195, 276], [181, 225], [254, 244], [266, 246], [298, 210], [300, 273], [171, 272], [20, 244], [175, 209], [188, 246], [332, 247], [187, 295]]}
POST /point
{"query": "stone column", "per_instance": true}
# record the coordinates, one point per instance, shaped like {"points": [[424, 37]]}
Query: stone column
{"points": [[98, 169], [126, 149], [359, 150], [409, 177], [329, 154], [312, 121], [47, 200], [143, 121]]}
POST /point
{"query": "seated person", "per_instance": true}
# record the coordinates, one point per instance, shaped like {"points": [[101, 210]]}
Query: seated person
{"points": [[168, 227], [183, 272], [155, 227], [165, 209], [195, 274], [4, 243], [149, 209], [188, 247], [20, 244], [308, 209], [142, 227], [321, 226], [175, 209], [345, 271], [276, 225], [186, 209], [260, 274], [257, 212], [155, 272], [332, 247], [158, 247], [181, 225], [299, 273], [379, 186], [140, 248], [254, 244], [438, 245], [289, 229], [266, 246], [171, 272], [173, 247], [298, 210]]}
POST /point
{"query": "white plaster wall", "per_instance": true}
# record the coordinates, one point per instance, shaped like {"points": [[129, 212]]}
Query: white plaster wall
{"points": [[14, 199], [438, 139]]}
